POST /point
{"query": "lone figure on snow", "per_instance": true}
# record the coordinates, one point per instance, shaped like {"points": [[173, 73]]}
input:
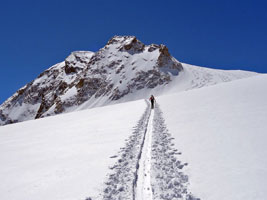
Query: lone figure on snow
{"points": [[152, 99]]}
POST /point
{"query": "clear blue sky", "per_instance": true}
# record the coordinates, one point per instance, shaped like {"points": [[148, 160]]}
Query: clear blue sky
{"points": [[219, 34]]}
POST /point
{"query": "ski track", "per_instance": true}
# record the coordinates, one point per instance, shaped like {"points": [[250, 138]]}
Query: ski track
{"points": [[143, 189], [147, 167], [122, 179]]}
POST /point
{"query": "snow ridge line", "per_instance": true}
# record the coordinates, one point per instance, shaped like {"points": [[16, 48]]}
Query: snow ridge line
{"points": [[123, 176], [167, 177]]}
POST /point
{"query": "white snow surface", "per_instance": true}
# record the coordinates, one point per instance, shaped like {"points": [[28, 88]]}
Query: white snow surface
{"points": [[222, 134], [220, 130], [66, 156]]}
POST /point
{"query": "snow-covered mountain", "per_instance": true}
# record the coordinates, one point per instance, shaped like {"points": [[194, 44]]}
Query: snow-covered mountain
{"points": [[198, 143], [124, 69], [208, 142]]}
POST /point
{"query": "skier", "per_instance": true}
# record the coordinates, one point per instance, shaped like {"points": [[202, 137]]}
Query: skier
{"points": [[152, 100]]}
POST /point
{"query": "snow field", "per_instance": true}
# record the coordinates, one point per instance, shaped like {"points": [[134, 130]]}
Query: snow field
{"points": [[65, 156], [221, 131], [208, 142]]}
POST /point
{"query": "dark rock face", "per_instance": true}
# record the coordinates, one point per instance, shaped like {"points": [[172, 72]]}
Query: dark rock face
{"points": [[165, 59], [125, 65], [153, 47], [164, 50], [69, 69], [134, 45], [2, 117]]}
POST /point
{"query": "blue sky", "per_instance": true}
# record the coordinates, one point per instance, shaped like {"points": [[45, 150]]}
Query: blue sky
{"points": [[219, 34]]}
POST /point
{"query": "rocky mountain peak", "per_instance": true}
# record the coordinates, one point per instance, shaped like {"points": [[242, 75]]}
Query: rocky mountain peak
{"points": [[117, 39], [124, 66], [126, 43], [134, 45]]}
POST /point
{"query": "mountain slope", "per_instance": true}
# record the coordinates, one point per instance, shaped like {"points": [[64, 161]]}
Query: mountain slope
{"points": [[219, 132], [124, 69]]}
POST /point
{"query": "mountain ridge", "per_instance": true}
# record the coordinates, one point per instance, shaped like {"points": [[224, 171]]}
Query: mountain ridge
{"points": [[124, 69]]}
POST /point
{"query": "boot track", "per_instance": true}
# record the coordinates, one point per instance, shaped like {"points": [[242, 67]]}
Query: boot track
{"points": [[147, 167]]}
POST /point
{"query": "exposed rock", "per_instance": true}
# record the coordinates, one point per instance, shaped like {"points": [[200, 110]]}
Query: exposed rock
{"points": [[134, 45], [153, 47], [164, 50], [63, 85], [43, 107], [80, 83], [59, 107], [2, 116], [69, 69], [21, 91], [165, 60]]}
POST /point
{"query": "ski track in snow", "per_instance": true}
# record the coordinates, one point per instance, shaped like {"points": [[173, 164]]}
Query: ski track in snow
{"points": [[122, 179], [147, 167], [143, 189]]}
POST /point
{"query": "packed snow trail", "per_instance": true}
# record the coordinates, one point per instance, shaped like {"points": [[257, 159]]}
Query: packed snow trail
{"points": [[147, 167], [143, 189], [122, 179]]}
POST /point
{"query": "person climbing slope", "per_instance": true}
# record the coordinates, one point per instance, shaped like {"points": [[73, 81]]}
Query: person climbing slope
{"points": [[152, 100]]}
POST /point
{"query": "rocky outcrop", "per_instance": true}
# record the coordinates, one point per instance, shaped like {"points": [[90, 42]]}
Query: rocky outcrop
{"points": [[165, 59], [134, 45]]}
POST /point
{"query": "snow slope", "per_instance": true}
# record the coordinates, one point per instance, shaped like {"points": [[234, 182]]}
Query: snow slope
{"points": [[63, 157], [219, 131], [192, 77], [222, 133]]}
